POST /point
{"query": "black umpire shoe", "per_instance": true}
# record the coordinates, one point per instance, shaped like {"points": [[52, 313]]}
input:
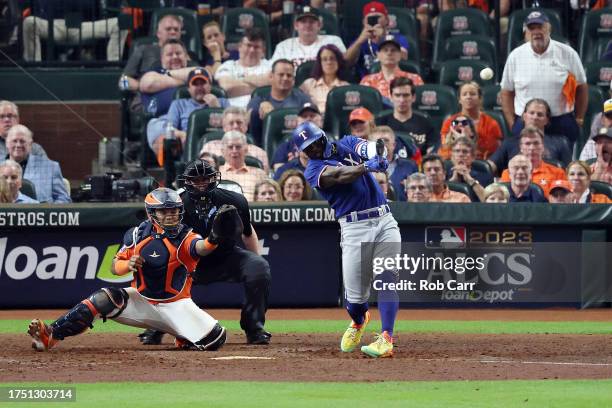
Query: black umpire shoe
{"points": [[151, 337], [260, 337]]}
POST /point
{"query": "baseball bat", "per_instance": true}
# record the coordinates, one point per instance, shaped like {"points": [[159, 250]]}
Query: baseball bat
{"points": [[380, 149]]}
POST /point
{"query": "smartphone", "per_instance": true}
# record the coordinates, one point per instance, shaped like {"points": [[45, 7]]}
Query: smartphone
{"points": [[372, 20]]}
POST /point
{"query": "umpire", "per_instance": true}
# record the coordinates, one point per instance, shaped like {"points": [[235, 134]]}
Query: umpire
{"points": [[229, 262]]}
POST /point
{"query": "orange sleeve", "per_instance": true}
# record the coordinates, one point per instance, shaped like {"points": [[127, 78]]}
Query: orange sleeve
{"points": [[185, 252], [125, 253], [489, 134], [366, 81], [505, 177], [600, 199], [560, 174]]}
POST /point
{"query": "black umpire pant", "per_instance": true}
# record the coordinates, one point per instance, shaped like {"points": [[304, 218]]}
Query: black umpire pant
{"points": [[240, 265]]}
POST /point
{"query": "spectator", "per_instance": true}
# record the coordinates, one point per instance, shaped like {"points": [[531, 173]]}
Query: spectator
{"points": [[361, 123], [251, 70], [488, 130], [383, 182], [157, 87], [461, 126], [210, 158], [601, 120], [199, 86], [44, 173], [147, 57], [36, 27], [268, 190], [327, 74], [496, 193], [274, 8], [287, 150], [601, 170], [294, 186], [399, 168], [561, 192], [5, 194], [403, 95], [532, 146], [418, 188], [308, 42], [365, 48], [521, 190], [547, 69], [463, 151], [389, 55], [299, 163], [537, 114], [214, 43], [235, 168], [579, 176], [235, 118], [433, 168], [9, 117], [282, 95], [11, 173]]}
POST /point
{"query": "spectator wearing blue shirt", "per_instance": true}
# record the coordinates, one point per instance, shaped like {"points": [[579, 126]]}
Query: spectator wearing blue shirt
{"points": [[11, 181], [521, 190], [375, 25]]}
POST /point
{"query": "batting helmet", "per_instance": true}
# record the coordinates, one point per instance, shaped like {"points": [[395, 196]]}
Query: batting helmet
{"points": [[306, 134], [164, 198], [199, 169]]}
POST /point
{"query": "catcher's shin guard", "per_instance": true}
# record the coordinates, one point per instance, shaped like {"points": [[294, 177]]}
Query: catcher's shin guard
{"points": [[213, 340], [81, 316]]}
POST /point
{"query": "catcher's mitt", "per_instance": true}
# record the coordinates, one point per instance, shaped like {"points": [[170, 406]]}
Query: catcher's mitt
{"points": [[227, 224]]}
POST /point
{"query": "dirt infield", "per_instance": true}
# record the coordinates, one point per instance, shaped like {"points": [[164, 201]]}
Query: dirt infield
{"points": [[95, 357]]}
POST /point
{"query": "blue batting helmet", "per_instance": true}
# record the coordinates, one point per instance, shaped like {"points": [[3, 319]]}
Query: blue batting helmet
{"points": [[306, 134]]}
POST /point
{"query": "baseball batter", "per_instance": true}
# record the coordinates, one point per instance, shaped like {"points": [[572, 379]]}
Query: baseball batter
{"points": [[161, 253], [341, 172]]}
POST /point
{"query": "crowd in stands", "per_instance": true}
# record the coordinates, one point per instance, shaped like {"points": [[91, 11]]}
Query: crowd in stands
{"points": [[444, 143]]}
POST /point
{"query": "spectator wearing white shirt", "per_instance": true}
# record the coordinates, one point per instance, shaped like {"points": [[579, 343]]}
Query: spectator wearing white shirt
{"points": [[306, 45], [602, 120], [547, 69], [239, 78]]}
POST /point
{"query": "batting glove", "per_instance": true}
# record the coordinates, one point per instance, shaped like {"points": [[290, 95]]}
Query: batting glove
{"points": [[379, 164]]}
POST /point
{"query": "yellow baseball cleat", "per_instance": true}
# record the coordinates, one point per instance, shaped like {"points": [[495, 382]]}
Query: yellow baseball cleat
{"points": [[352, 335], [381, 347]]}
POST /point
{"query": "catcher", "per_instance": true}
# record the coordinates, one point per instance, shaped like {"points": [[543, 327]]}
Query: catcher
{"points": [[229, 262], [161, 253]]}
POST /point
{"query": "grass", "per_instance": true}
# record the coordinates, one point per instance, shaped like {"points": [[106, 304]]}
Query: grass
{"points": [[412, 326], [456, 394]]}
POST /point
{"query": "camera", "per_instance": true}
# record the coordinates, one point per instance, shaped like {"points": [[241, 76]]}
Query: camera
{"points": [[110, 188], [372, 20]]}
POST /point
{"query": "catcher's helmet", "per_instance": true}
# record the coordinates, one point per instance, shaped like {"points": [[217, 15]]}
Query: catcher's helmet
{"points": [[198, 169], [308, 133], [162, 198]]}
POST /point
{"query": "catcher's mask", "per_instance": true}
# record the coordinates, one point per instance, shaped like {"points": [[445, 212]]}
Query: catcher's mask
{"points": [[199, 178], [164, 198]]}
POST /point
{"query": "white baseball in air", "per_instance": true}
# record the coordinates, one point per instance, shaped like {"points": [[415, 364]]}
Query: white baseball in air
{"points": [[486, 74]]}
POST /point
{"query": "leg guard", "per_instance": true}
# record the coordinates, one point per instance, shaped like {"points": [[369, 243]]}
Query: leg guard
{"points": [[213, 340], [80, 317]]}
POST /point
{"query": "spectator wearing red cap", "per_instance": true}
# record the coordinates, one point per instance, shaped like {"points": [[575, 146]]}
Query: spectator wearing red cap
{"points": [[389, 55], [361, 123], [364, 50], [561, 192]]}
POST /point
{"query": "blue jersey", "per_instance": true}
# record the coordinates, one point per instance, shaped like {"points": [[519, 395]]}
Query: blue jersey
{"points": [[361, 194]]}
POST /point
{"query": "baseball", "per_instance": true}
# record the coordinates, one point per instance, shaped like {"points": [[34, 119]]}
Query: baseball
{"points": [[486, 74]]}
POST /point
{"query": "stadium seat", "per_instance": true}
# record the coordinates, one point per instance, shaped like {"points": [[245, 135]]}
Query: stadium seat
{"points": [[438, 101], [454, 72], [501, 121], [142, 41], [471, 47], [483, 166], [28, 188], [235, 21], [344, 99], [261, 91], [303, 72], [231, 186], [201, 122], [599, 74], [491, 100], [405, 65], [191, 35], [402, 20], [463, 21], [352, 19], [601, 46], [277, 126], [460, 188], [595, 26], [601, 187], [516, 35]]}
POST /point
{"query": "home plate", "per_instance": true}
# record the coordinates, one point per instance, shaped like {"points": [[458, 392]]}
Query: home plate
{"points": [[242, 358]]}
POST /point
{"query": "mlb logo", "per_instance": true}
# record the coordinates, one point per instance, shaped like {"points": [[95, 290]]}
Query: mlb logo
{"points": [[245, 21], [215, 120], [352, 98], [392, 21], [465, 73], [429, 98], [445, 237], [291, 121], [470, 48], [460, 23], [605, 74], [605, 21]]}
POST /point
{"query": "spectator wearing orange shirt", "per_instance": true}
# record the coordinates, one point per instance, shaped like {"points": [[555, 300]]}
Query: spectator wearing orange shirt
{"points": [[579, 176], [487, 135], [532, 146], [433, 168]]}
